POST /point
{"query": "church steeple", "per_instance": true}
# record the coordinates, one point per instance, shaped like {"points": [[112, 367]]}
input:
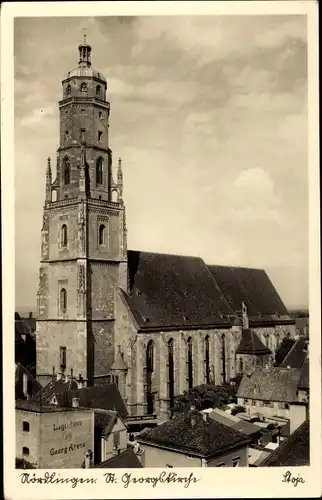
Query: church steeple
{"points": [[84, 53]]}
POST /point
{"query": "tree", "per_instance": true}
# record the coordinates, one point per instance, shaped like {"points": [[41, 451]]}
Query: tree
{"points": [[238, 409], [21, 463], [205, 396], [284, 348]]}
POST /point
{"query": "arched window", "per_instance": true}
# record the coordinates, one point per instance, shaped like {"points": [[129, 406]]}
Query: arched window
{"points": [[114, 195], [149, 372], [25, 451], [99, 171], [101, 235], [63, 300], [171, 372], [25, 426], [267, 340], [223, 359], [207, 360], [98, 90], [189, 363], [63, 236], [83, 87], [66, 170], [68, 89], [62, 358]]}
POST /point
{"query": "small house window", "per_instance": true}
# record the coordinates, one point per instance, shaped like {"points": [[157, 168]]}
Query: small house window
{"points": [[83, 87], [98, 90], [99, 135], [63, 300], [25, 426], [63, 236], [101, 235], [25, 451], [62, 352]]}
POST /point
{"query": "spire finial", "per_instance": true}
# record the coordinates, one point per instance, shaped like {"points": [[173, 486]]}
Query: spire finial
{"points": [[84, 29], [84, 52]]}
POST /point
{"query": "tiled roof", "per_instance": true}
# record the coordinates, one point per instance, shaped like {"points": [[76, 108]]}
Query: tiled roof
{"points": [[250, 343], [294, 451], [200, 438], [105, 421], [127, 459], [34, 406], [105, 397], [304, 382], [234, 422], [271, 384], [173, 291], [296, 355], [254, 288]]}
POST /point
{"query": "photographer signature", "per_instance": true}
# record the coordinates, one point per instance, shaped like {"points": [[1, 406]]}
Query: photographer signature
{"points": [[288, 478]]}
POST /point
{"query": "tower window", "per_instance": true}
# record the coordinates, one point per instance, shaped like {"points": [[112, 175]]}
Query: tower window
{"points": [[82, 135], [66, 135], [25, 426], [101, 235], [63, 300], [100, 114], [99, 171], [171, 371], [25, 451], [62, 355], [100, 135], [63, 236], [68, 90], [66, 170], [83, 87], [98, 90]]}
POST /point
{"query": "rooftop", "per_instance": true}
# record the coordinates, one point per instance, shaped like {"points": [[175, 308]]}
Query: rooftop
{"points": [[270, 384], [33, 406], [296, 356], [175, 291], [250, 343], [127, 459], [234, 422], [294, 451], [189, 433], [105, 397]]}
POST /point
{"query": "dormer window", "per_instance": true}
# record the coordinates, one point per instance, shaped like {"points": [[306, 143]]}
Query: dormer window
{"points": [[83, 87]]}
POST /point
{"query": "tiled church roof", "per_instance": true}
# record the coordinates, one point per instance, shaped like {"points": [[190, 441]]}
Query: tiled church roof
{"points": [[250, 343], [251, 286], [173, 291]]}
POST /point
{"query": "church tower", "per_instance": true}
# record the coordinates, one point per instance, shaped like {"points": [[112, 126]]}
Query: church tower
{"points": [[84, 244]]}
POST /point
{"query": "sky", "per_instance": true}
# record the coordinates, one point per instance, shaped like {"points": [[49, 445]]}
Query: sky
{"points": [[209, 115]]}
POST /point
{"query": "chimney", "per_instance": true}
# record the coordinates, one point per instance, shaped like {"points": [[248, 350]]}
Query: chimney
{"points": [[88, 459], [205, 416], [75, 402], [25, 385], [30, 315], [116, 450]]}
